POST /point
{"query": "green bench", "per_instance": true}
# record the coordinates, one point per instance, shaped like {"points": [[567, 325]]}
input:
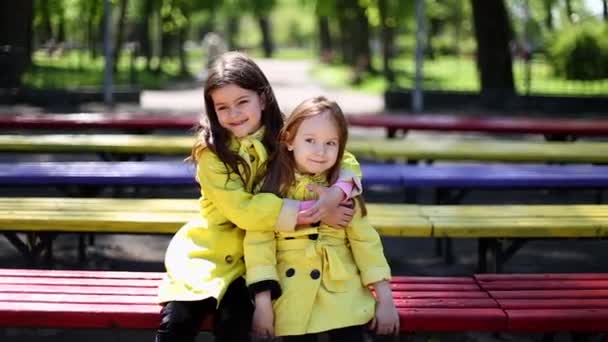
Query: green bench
{"points": [[500, 229], [379, 149]]}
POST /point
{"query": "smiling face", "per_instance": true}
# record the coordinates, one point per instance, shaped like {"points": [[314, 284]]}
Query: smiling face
{"points": [[316, 144], [238, 110]]}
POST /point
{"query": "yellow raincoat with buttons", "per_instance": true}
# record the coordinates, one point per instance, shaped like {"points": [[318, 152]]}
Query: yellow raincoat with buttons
{"points": [[324, 272], [206, 254]]}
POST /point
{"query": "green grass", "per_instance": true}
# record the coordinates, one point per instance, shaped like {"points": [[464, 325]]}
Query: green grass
{"points": [[76, 69], [458, 74]]}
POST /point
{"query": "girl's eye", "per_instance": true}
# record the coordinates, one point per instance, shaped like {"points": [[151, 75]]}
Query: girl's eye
{"points": [[243, 102], [332, 143], [309, 140]]}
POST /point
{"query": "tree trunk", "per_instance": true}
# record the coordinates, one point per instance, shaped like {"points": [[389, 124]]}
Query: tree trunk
{"points": [[363, 51], [183, 61], [325, 43], [494, 64], [605, 10], [145, 42], [387, 34], [92, 28], [61, 30], [343, 15], [569, 10], [267, 43], [46, 29], [120, 32], [15, 41], [232, 31], [548, 4]]}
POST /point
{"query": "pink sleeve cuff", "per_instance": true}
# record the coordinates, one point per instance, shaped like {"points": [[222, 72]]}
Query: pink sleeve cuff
{"points": [[345, 186], [304, 205]]}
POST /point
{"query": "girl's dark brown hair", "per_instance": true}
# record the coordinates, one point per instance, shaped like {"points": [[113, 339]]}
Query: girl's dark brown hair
{"points": [[235, 68], [280, 174]]}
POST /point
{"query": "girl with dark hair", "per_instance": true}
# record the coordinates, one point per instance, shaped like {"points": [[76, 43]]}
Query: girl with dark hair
{"points": [[204, 260], [324, 273]]}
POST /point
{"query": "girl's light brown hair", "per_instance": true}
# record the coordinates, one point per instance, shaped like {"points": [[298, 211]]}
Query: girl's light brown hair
{"points": [[280, 174]]}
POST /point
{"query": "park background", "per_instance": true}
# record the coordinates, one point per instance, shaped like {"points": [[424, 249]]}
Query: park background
{"points": [[514, 57]]}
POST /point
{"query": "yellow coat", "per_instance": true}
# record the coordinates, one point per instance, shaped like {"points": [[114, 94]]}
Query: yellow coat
{"points": [[206, 254], [324, 280]]}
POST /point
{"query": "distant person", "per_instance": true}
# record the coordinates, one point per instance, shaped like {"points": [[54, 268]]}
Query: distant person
{"points": [[204, 261], [213, 45], [324, 273]]}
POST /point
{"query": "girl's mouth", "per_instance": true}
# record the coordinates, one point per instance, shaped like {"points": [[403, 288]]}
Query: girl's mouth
{"points": [[238, 123]]}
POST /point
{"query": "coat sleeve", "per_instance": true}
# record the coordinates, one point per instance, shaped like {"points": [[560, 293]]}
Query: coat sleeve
{"points": [[350, 171], [261, 262], [259, 212], [367, 250]]}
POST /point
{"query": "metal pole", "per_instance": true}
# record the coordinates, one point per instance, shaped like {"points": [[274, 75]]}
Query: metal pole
{"points": [[107, 48], [417, 94]]}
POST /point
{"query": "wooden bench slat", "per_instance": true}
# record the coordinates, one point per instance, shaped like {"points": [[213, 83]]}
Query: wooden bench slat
{"points": [[54, 315], [552, 320], [179, 173], [490, 277], [533, 227], [14, 272], [549, 284], [549, 294], [446, 303], [531, 303], [416, 149], [428, 280], [77, 298], [439, 294], [99, 204], [514, 210], [482, 123], [434, 287], [405, 121], [94, 290], [79, 281], [450, 319]]}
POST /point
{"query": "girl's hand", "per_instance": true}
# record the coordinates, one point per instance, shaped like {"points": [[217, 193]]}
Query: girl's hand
{"points": [[340, 217], [263, 318], [329, 207], [386, 319]]}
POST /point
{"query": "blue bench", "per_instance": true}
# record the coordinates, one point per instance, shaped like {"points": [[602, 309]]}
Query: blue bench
{"points": [[171, 173]]}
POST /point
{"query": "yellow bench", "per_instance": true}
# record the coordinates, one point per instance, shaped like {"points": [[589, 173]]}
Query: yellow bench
{"points": [[41, 218], [412, 149]]}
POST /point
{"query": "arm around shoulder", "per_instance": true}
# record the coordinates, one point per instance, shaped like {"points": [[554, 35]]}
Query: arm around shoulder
{"points": [[259, 212]]}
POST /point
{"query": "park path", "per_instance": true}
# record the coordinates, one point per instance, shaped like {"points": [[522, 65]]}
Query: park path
{"points": [[291, 82]]}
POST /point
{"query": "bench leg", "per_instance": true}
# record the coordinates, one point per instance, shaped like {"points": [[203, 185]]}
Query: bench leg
{"points": [[439, 246], [82, 248], [482, 250], [488, 255]]}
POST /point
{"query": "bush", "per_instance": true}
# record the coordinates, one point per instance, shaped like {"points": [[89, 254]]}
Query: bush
{"points": [[580, 53]]}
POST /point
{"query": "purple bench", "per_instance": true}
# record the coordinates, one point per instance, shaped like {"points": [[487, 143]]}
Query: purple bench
{"points": [[172, 173]]}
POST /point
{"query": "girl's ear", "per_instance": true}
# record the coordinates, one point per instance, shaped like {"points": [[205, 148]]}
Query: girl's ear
{"points": [[289, 147]]}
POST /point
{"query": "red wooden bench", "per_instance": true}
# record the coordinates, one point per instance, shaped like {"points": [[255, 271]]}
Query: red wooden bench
{"points": [[544, 302], [141, 122], [105, 299], [552, 128], [497, 303]]}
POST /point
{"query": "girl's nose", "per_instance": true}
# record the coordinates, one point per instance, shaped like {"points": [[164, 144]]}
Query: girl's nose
{"points": [[234, 111], [320, 149]]}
